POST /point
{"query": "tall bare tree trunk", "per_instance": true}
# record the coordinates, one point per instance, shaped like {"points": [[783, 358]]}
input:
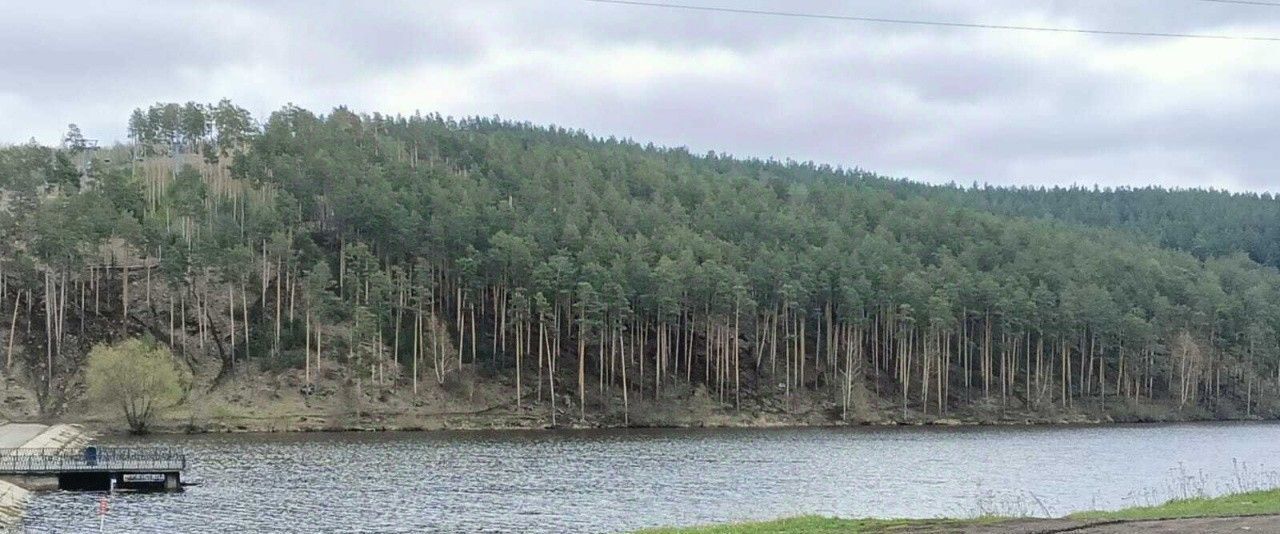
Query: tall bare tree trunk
{"points": [[13, 329]]}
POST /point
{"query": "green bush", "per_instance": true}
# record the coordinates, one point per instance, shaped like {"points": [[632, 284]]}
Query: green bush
{"points": [[139, 376]]}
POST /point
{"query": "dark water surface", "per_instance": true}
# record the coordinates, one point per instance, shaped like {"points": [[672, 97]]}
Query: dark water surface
{"points": [[618, 480]]}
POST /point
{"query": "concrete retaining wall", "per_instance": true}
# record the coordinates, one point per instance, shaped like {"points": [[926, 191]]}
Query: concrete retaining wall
{"points": [[59, 437], [13, 503], [13, 497]]}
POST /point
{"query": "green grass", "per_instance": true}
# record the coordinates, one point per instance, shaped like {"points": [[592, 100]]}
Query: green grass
{"points": [[812, 524], [1251, 503]]}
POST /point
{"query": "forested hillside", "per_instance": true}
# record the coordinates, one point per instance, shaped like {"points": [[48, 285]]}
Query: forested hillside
{"points": [[1206, 223], [391, 255]]}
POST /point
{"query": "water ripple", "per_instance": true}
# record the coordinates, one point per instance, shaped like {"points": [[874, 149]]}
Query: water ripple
{"points": [[607, 481]]}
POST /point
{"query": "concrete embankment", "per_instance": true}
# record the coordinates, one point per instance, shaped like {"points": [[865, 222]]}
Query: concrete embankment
{"points": [[13, 497], [13, 504], [58, 437]]}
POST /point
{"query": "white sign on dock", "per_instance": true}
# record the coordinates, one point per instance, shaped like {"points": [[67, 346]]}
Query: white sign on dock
{"points": [[143, 477]]}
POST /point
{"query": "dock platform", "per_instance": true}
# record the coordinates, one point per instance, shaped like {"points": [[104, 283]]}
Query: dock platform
{"points": [[96, 468]]}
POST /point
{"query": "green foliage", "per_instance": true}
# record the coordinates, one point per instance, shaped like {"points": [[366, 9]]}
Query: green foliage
{"points": [[187, 192], [284, 360], [138, 376], [821, 525], [1207, 223], [384, 218], [1238, 504]]}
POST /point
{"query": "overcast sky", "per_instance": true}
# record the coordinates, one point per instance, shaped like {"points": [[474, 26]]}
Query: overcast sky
{"points": [[930, 103]]}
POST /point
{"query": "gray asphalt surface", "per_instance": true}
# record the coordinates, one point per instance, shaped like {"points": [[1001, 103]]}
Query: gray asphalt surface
{"points": [[17, 434]]}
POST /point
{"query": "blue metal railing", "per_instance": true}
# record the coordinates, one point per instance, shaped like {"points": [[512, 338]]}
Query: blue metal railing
{"points": [[101, 459]]}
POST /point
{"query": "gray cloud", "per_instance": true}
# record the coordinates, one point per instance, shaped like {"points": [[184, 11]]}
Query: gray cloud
{"points": [[938, 104]]}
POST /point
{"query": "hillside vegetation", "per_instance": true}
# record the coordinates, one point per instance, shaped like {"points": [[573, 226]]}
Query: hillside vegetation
{"points": [[1206, 223], [391, 254]]}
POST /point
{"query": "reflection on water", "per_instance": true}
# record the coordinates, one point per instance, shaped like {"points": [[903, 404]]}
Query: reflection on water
{"points": [[607, 481]]}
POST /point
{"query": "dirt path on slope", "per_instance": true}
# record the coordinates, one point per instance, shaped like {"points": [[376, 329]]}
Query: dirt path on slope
{"points": [[1204, 525]]}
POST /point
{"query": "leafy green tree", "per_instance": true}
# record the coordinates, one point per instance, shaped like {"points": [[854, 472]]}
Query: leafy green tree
{"points": [[74, 140], [137, 376]]}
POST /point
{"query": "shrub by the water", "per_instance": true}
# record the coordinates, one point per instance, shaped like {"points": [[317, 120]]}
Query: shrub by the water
{"points": [[137, 375]]}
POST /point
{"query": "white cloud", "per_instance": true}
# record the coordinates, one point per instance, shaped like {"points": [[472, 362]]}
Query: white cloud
{"points": [[931, 103]]}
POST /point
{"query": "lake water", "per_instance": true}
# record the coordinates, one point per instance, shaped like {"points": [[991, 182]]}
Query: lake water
{"points": [[619, 480]]}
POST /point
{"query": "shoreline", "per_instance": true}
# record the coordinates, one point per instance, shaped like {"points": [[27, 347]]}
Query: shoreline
{"points": [[1231, 512], [276, 404], [290, 425]]}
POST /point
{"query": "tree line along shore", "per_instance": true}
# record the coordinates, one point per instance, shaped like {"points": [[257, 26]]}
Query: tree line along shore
{"points": [[410, 263]]}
